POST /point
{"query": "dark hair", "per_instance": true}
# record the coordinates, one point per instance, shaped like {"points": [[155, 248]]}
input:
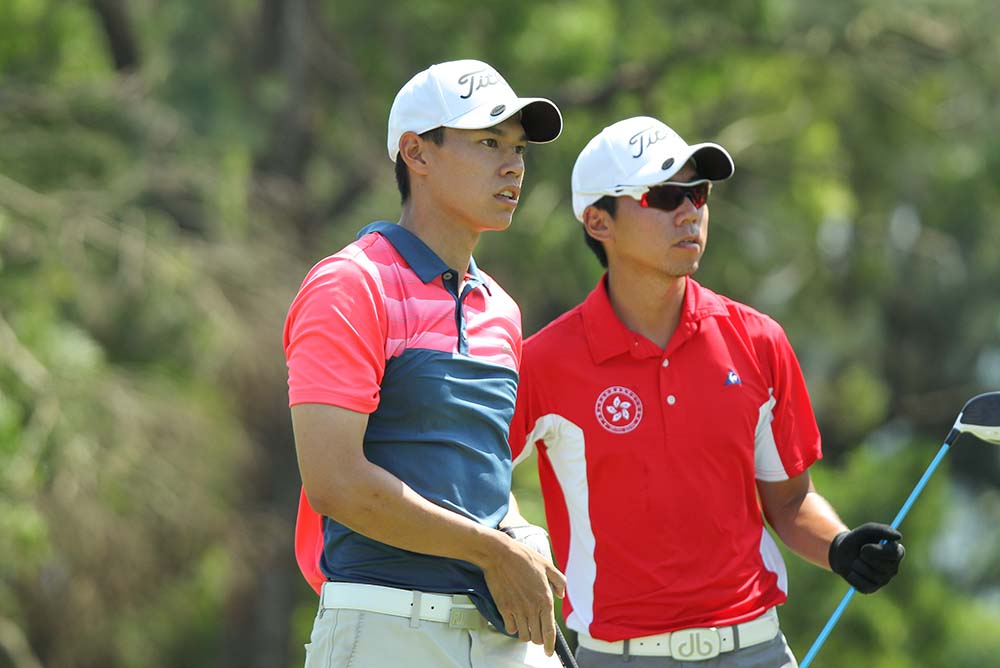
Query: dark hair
{"points": [[610, 205], [403, 173]]}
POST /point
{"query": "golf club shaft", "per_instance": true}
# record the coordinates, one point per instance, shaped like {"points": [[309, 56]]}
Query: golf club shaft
{"points": [[835, 617], [563, 651]]}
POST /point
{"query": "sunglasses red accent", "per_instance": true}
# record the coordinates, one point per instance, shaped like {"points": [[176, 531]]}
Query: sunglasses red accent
{"points": [[669, 196]]}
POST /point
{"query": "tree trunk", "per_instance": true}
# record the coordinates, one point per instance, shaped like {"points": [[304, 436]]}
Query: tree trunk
{"points": [[122, 44]]}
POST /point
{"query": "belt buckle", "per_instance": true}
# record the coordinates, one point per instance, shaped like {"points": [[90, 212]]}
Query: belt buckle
{"points": [[697, 644], [465, 618]]}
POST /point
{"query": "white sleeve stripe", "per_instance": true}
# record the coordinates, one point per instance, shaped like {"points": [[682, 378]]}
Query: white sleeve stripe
{"points": [[566, 448], [773, 561], [529, 447], [767, 462]]}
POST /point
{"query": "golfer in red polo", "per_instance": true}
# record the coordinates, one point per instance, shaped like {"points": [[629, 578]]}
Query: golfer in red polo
{"points": [[671, 422]]}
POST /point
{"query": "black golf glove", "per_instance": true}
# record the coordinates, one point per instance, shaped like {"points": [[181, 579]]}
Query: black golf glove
{"points": [[860, 557]]}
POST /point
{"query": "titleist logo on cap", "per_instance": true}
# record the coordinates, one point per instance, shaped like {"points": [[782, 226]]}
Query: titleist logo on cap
{"points": [[645, 138], [476, 80]]}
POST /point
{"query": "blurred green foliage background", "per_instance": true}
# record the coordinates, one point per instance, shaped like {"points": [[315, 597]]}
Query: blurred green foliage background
{"points": [[170, 170]]}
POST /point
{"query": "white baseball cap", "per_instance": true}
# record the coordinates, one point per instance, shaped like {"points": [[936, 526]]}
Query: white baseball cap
{"points": [[467, 95], [630, 156]]}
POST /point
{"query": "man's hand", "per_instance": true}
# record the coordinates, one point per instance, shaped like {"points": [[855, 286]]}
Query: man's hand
{"points": [[860, 557], [533, 536], [522, 582]]}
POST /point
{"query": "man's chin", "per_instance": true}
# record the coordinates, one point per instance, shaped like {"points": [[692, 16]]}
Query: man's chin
{"points": [[496, 226], [686, 270]]}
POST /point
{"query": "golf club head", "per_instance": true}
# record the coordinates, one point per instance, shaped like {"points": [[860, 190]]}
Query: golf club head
{"points": [[980, 417]]}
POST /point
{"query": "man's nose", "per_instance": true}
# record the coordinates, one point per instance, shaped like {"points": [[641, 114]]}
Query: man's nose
{"points": [[514, 165], [686, 213]]}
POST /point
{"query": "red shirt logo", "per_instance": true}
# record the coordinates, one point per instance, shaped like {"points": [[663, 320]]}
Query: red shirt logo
{"points": [[618, 409]]}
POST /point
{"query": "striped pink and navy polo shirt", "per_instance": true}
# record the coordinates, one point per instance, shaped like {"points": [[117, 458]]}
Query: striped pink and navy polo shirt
{"points": [[382, 328]]}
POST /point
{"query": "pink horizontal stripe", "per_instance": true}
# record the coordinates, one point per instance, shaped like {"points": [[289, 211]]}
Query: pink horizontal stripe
{"points": [[483, 338], [426, 311], [425, 341], [505, 327], [419, 308], [494, 354], [394, 347], [499, 360], [492, 336], [420, 319], [397, 289]]}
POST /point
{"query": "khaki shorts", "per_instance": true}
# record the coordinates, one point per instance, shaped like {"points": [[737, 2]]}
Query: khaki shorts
{"points": [[344, 638]]}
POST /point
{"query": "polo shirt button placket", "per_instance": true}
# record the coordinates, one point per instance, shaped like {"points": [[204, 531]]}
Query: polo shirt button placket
{"points": [[670, 399]]}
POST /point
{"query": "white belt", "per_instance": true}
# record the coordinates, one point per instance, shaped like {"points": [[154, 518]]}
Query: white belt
{"points": [[695, 644], [455, 610]]}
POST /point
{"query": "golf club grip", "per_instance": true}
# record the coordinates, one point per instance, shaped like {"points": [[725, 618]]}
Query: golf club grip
{"points": [[563, 651]]}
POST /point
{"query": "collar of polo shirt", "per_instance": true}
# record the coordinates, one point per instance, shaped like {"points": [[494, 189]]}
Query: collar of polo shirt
{"points": [[607, 336]]}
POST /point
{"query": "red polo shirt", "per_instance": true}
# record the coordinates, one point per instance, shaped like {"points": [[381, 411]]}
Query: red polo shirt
{"points": [[649, 458]]}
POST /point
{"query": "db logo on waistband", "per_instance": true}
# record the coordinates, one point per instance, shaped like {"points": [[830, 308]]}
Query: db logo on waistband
{"points": [[618, 409]]}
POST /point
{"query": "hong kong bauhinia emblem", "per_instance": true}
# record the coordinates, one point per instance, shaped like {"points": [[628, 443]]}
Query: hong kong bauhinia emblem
{"points": [[618, 409]]}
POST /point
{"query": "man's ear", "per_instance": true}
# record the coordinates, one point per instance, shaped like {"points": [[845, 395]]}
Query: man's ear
{"points": [[413, 151], [598, 223]]}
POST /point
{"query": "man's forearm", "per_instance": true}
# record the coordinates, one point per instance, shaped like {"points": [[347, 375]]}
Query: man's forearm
{"points": [[807, 526], [340, 482], [370, 500]]}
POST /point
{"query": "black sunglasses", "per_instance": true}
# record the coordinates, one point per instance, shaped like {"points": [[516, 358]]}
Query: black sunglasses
{"points": [[669, 196]]}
